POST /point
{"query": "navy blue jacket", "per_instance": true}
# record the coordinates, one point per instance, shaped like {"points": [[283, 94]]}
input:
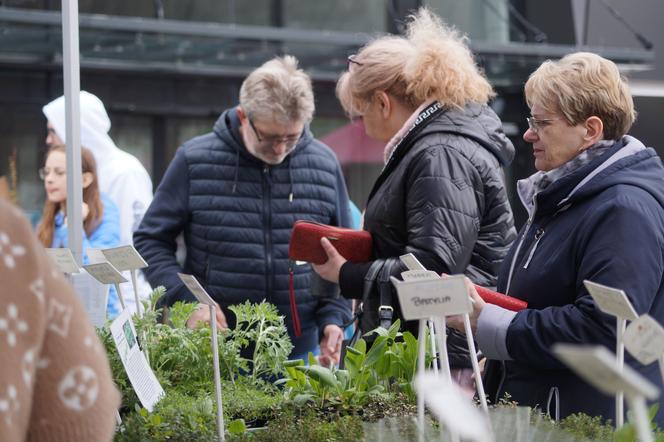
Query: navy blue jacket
{"points": [[237, 214], [603, 223]]}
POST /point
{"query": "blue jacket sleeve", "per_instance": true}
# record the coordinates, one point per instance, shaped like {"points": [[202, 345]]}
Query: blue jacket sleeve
{"points": [[332, 308], [164, 220], [107, 234], [621, 247]]}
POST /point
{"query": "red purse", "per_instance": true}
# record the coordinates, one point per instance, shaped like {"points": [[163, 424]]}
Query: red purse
{"points": [[354, 245]]}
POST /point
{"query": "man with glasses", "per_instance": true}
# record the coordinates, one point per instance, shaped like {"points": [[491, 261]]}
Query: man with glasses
{"points": [[236, 193]]}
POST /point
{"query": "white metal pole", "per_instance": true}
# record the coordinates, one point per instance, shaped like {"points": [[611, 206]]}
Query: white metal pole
{"points": [[217, 379], [661, 366], [432, 337], [72, 87], [420, 372], [441, 337], [475, 362], [133, 283], [638, 406], [620, 355], [120, 295]]}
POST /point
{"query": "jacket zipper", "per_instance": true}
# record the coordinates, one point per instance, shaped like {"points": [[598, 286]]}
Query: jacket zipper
{"points": [[539, 233], [518, 248], [267, 230]]}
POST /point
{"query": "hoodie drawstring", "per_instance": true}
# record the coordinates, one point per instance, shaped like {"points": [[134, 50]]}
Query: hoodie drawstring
{"points": [[237, 169], [290, 180]]}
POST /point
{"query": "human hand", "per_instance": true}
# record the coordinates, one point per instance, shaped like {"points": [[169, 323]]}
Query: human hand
{"points": [[330, 345], [456, 322], [330, 270], [202, 314]]}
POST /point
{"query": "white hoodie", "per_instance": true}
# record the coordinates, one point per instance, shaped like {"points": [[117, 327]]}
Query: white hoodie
{"points": [[121, 175]]}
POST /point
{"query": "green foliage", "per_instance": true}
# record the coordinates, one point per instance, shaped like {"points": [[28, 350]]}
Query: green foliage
{"points": [[387, 367]]}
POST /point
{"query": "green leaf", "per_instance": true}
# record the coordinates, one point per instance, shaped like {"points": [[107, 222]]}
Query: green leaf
{"points": [[322, 375], [237, 426], [376, 351]]}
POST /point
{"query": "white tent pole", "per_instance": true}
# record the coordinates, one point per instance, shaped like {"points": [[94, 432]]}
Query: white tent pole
{"points": [[72, 87]]}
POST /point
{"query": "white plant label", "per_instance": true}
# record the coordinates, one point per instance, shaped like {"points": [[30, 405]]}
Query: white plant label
{"points": [[142, 378], [197, 289], [597, 366], [453, 408], [93, 295], [95, 256], [411, 262], [644, 339], [105, 273], [611, 300], [414, 275], [64, 259], [125, 258], [421, 299]]}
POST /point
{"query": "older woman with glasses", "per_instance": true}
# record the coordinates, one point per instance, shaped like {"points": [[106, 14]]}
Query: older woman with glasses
{"points": [[596, 212], [441, 194]]}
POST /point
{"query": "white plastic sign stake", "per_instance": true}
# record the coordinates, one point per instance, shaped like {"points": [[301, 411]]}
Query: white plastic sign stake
{"points": [[433, 297], [614, 302], [64, 259], [611, 300], [204, 298], [644, 339], [597, 366], [105, 273], [449, 404], [93, 295], [142, 378], [95, 256], [127, 258]]}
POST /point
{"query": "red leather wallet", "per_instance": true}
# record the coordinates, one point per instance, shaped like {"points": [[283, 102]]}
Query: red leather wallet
{"points": [[354, 245]]}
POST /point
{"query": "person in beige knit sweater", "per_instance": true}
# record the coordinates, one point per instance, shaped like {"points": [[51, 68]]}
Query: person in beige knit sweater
{"points": [[55, 381]]}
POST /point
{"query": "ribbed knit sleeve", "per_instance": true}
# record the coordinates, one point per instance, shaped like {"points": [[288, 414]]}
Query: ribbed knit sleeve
{"points": [[55, 381]]}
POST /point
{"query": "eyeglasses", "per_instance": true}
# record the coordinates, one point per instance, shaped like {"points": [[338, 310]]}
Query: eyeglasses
{"points": [[351, 60], [290, 140], [44, 172], [536, 124]]}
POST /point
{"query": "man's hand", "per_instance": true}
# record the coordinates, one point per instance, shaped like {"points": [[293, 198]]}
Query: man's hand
{"points": [[330, 345], [456, 322], [202, 314], [330, 270]]}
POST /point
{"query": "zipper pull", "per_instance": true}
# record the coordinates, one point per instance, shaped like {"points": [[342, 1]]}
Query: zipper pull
{"points": [[538, 234]]}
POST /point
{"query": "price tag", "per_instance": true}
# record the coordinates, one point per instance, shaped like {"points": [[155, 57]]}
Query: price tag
{"points": [[644, 339], [197, 289], [105, 273], [453, 408], [64, 259], [124, 258], [421, 299], [597, 366], [611, 300], [142, 378]]}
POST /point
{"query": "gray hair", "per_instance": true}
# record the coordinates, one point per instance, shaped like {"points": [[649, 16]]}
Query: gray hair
{"points": [[279, 91]]}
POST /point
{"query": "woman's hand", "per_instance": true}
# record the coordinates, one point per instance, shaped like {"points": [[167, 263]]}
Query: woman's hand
{"points": [[330, 270], [456, 322]]}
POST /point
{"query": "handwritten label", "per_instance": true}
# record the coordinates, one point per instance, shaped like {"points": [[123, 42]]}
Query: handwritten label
{"points": [[644, 339], [142, 378], [453, 408], [197, 289], [420, 299], [597, 366], [64, 259], [611, 300], [105, 273], [412, 275], [125, 258]]}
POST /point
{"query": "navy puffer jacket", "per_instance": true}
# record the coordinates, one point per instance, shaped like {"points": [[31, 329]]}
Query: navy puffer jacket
{"points": [[237, 214]]}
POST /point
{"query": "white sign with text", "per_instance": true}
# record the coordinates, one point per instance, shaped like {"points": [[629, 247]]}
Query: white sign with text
{"points": [[93, 295], [95, 256], [105, 273], [611, 300], [142, 378], [597, 366], [644, 339], [197, 289], [426, 298], [124, 258], [64, 259]]}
